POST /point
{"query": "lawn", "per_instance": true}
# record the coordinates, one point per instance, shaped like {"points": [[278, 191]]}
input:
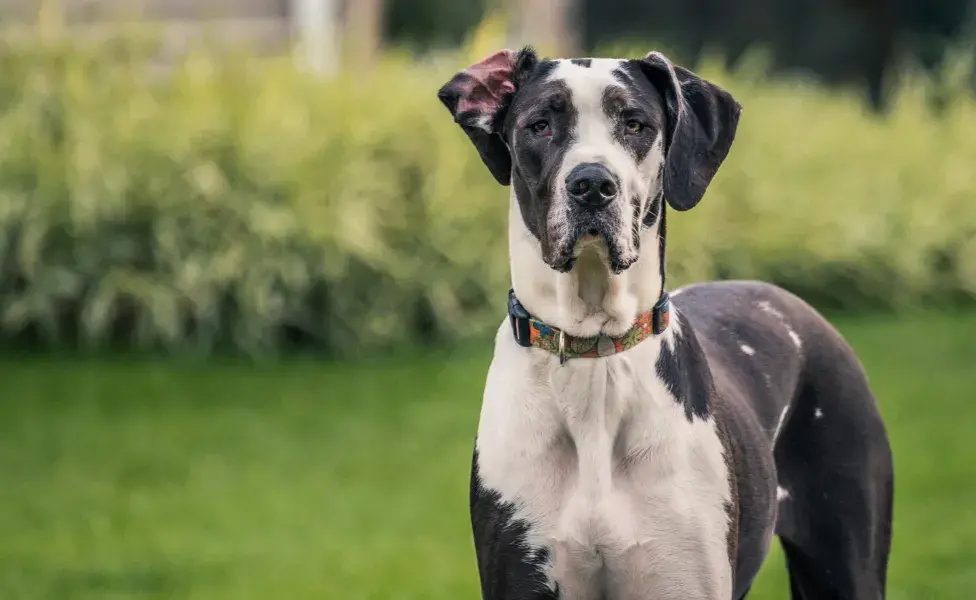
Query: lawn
{"points": [[138, 479]]}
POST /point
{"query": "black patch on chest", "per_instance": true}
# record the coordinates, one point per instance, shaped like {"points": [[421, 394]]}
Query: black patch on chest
{"points": [[582, 62], [508, 569], [685, 372]]}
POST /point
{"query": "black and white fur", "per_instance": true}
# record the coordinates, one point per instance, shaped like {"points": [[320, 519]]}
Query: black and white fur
{"points": [[661, 472]]}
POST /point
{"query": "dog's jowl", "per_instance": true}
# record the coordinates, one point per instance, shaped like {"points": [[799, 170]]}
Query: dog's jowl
{"points": [[635, 444]]}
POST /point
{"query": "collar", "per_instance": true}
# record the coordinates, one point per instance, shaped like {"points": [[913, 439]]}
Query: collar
{"points": [[529, 331]]}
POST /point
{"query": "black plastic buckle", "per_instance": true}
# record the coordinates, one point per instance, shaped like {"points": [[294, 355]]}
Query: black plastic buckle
{"points": [[661, 316], [519, 318]]}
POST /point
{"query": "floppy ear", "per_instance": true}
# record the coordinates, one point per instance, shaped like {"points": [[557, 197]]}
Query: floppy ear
{"points": [[701, 124], [478, 98]]}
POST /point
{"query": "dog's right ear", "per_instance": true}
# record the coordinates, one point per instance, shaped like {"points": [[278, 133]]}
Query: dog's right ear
{"points": [[478, 98]]}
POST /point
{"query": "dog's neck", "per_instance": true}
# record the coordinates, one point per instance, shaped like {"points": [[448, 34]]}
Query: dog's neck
{"points": [[590, 299]]}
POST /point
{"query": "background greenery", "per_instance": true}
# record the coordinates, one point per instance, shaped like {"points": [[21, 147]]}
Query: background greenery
{"points": [[857, 44], [303, 481], [242, 204]]}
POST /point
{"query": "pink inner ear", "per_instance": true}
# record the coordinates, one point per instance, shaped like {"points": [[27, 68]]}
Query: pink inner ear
{"points": [[487, 83]]}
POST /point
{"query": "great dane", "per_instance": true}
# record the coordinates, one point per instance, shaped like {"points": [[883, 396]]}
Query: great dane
{"points": [[636, 445]]}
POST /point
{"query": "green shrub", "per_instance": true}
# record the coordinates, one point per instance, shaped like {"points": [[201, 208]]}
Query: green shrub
{"points": [[240, 204]]}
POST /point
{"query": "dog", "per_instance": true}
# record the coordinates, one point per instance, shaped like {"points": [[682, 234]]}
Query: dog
{"points": [[633, 443]]}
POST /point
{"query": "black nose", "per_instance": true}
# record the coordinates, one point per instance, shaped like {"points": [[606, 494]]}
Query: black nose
{"points": [[591, 184]]}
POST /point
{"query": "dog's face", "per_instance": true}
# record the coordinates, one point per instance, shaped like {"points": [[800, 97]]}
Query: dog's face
{"points": [[590, 145]]}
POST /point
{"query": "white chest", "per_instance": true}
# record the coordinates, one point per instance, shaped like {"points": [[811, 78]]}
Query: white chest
{"points": [[611, 476]]}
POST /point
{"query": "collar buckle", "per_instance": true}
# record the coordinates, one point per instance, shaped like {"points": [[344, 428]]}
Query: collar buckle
{"points": [[661, 315], [519, 318], [562, 348]]}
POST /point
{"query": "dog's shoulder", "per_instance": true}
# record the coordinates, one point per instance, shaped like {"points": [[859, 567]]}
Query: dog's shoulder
{"points": [[754, 337]]}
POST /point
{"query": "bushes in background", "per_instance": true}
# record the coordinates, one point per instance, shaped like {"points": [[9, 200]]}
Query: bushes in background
{"points": [[247, 205]]}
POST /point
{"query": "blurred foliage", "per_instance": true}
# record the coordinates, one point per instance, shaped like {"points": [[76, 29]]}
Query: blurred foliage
{"points": [[231, 203], [857, 44], [428, 23]]}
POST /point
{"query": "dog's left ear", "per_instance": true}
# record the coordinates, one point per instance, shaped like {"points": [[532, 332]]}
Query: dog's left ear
{"points": [[701, 124], [478, 98]]}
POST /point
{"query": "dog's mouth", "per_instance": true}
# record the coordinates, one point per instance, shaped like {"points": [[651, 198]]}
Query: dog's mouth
{"points": [[591, 238]]}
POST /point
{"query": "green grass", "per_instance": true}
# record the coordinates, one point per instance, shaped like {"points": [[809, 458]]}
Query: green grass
{"points": [[126, 479]]}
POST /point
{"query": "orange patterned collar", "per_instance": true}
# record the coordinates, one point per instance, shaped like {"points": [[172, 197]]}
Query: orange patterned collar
{"points": [[529, 331]]}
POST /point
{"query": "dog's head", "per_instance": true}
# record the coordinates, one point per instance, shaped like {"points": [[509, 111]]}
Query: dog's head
{"points": [[590, 145]]}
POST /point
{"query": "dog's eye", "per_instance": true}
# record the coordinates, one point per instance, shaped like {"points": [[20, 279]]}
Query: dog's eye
{"points": [[634, 126], [540, 128]]}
